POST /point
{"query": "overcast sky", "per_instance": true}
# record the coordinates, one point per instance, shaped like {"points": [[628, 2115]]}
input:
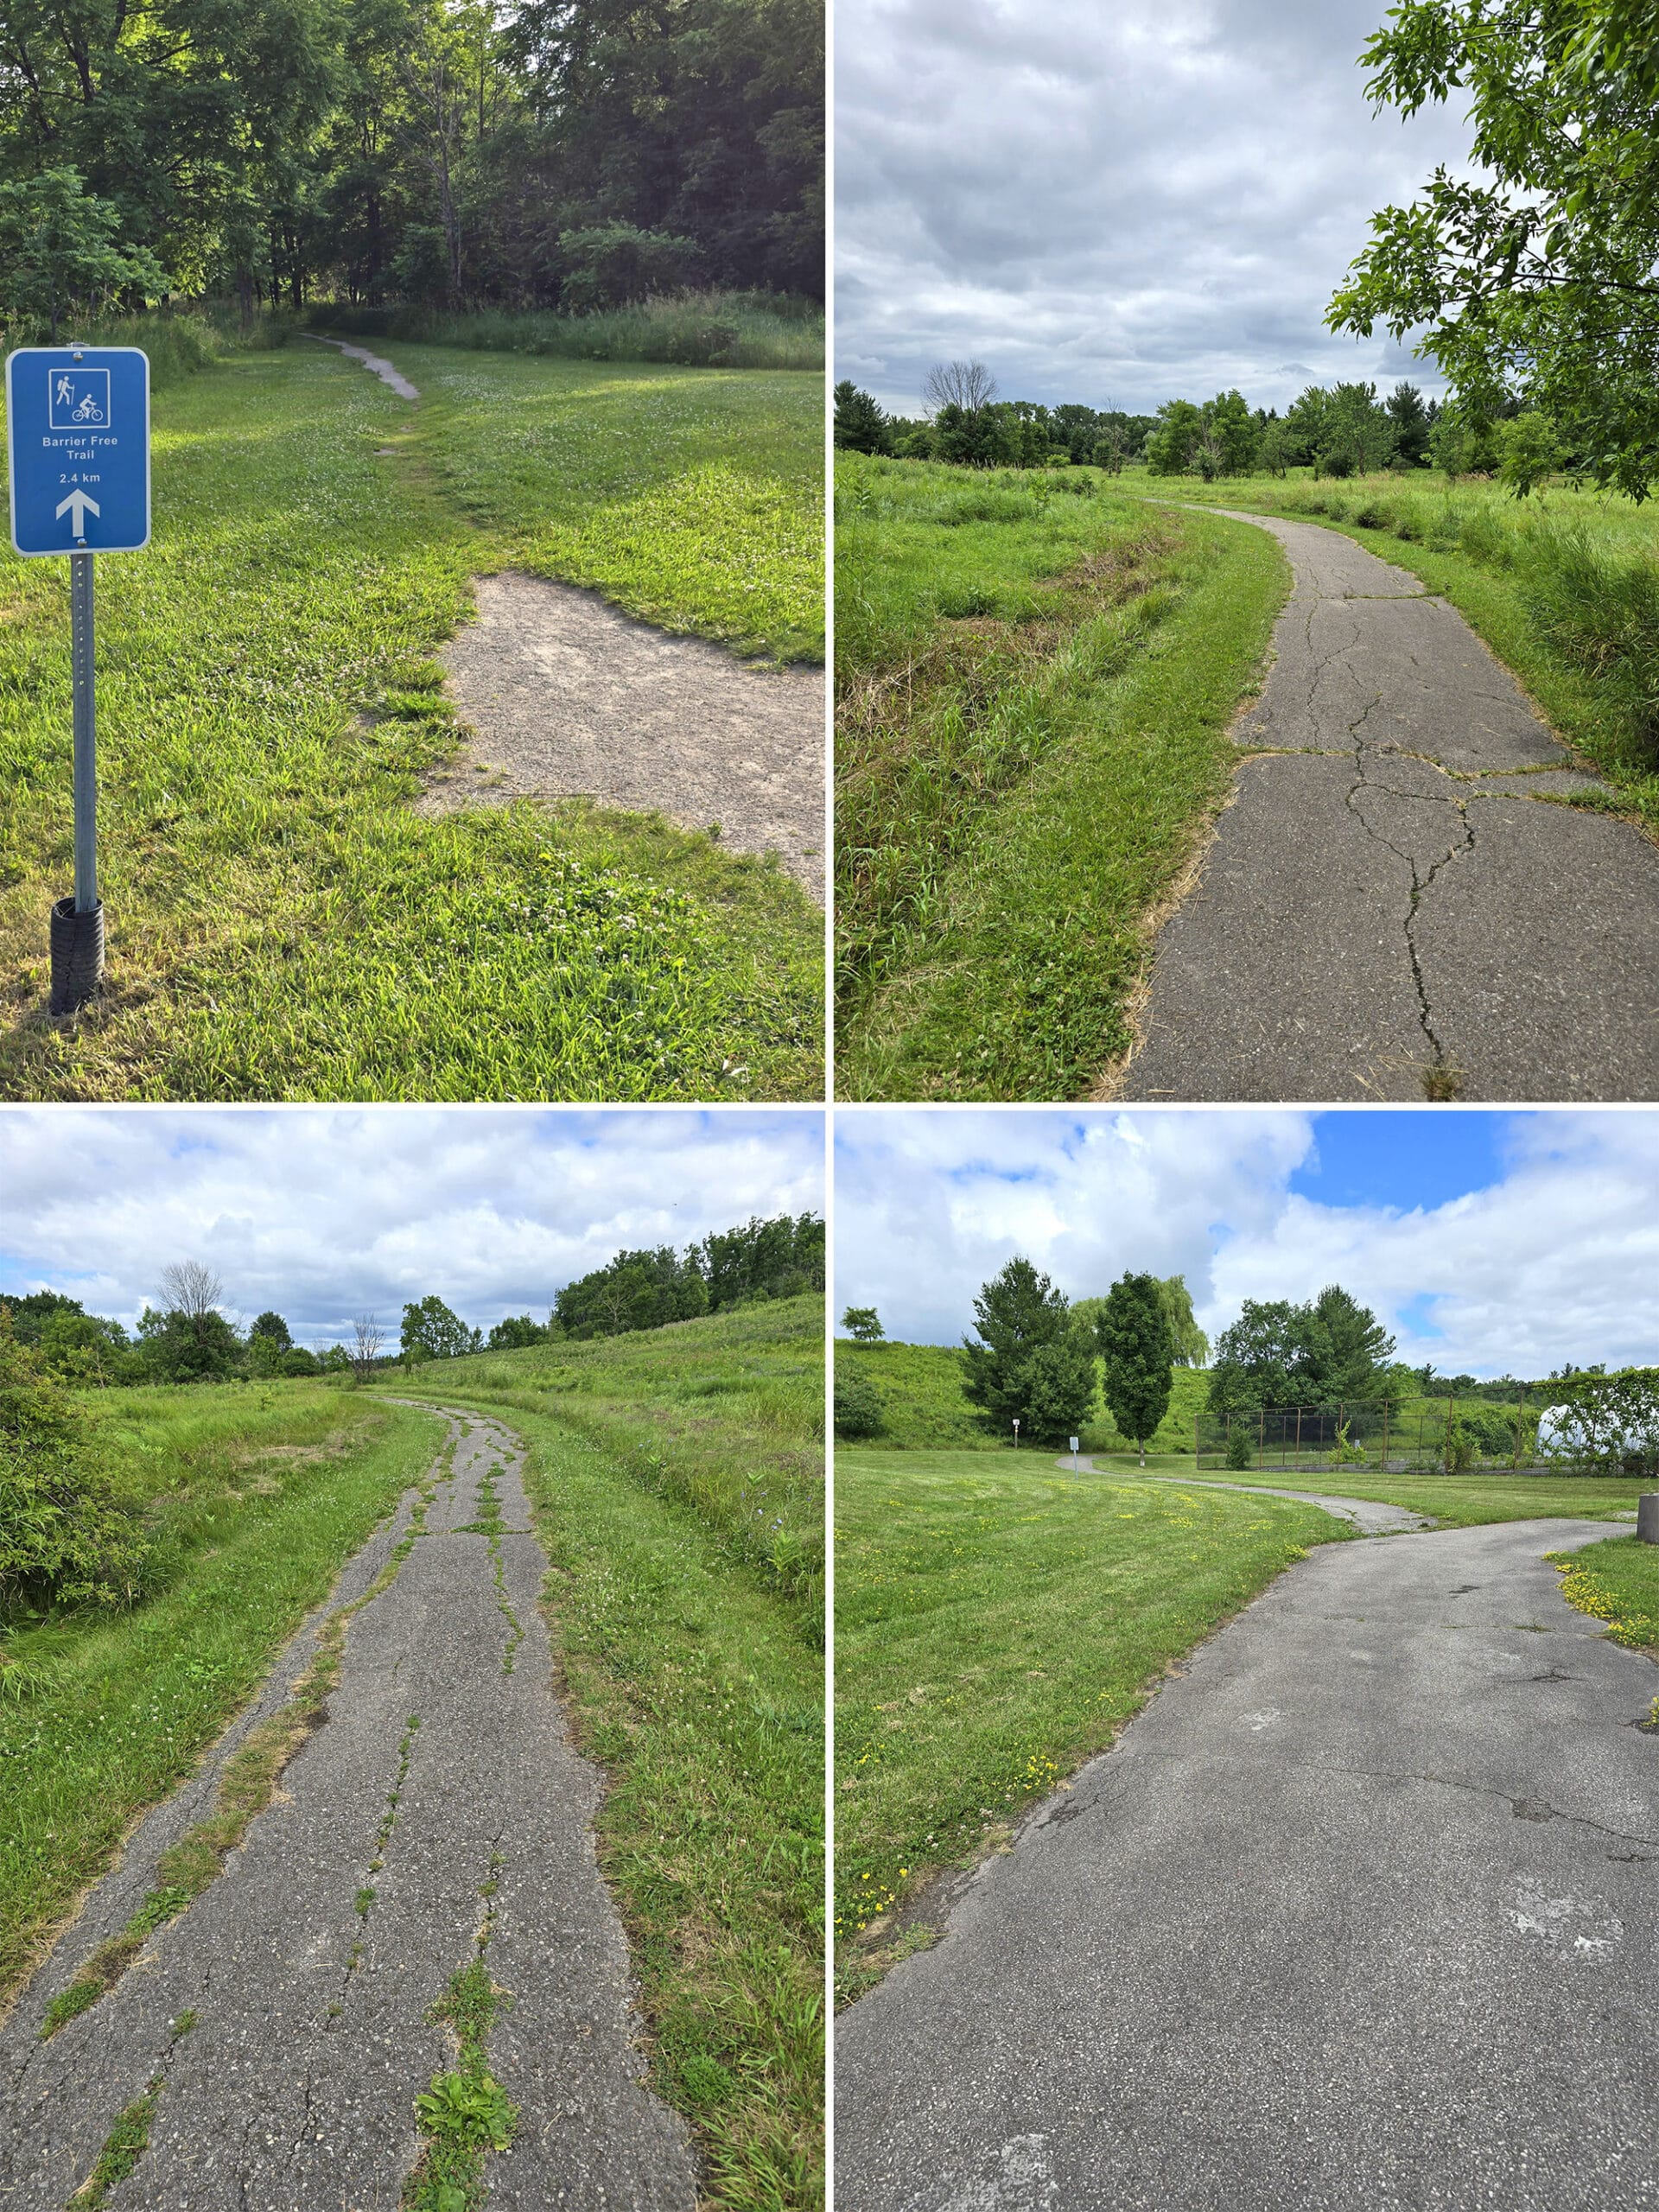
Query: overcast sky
{"points": [[325, 1213], [1488, 1243], [1119, 204]]}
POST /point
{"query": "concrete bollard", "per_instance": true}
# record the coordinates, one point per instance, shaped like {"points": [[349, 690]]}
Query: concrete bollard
{"points": [[1646, 1517]]}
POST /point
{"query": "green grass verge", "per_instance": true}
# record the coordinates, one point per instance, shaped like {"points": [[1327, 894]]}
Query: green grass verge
{"points": [[1618, 1582], [282, 926], [1033, 695], [926, 1408], [724, 1413], [1460, 1501], [707, 329], [106, 1717], [691, 1657], [1563, 587], [996, 1625]]}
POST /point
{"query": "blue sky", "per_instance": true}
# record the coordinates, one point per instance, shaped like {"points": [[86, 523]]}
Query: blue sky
{"points": [[1488, 1243], [322, 1213]]}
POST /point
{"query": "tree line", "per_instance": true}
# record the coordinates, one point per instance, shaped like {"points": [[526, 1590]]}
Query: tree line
{"points": [[460, 154], [1045, 1360], [186, 1335]]}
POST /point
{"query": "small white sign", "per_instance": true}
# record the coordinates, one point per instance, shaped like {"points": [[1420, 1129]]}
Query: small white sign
{"points": [[1074, 1444]]}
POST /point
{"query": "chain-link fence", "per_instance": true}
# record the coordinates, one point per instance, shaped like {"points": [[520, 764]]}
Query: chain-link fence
{"points": [[1448, 1436]]}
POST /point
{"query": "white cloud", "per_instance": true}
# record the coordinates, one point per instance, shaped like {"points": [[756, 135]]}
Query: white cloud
{"points": [[322, 1213], [1132, 203], [1557, 1262]]}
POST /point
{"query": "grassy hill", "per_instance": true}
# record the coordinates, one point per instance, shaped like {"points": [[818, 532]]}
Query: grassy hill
{"points": [[924, 1408], [674, 1479]]}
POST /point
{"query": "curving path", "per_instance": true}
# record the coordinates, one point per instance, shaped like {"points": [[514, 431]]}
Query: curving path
{"points": [[1388, 910], [311, 1974], [1371, 1517], [1357, 1916]]}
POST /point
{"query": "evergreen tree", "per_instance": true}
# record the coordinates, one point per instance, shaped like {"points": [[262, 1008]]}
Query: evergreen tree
{"points": [[861, 426], [1031, 1362], [1137, 1351]]}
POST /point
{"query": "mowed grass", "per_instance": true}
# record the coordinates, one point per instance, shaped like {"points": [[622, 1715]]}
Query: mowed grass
{"points": [[925, 1407], [280, 924], [689, 1642], [1563, 586], [1034, 678], [996, 1622], [1617, 1581], [694, 497], [258, 1495], [1462, 1500]]}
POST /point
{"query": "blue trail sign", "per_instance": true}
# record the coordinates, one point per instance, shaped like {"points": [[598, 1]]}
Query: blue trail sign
{"points": [[78, 428], [78, 434]]}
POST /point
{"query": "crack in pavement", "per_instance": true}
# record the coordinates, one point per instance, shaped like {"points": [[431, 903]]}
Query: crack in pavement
{"points": [[1329, 950], [297, 2086]]}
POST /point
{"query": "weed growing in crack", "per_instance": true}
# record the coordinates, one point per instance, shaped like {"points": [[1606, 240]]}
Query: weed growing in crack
{"points": [[465, 2114], [129, 2139], [405, 1752], [245, 1788], [489, 1524]]}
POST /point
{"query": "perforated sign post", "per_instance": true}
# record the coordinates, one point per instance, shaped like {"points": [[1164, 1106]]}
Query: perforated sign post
{"points": [[78, 430]]}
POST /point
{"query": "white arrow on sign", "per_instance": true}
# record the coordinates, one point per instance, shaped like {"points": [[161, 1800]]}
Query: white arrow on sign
{"points": [[77, 506]]}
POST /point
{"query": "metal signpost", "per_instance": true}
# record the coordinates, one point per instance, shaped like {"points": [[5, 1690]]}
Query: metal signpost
{"points": [[78, 430], [1016, 1436], [1074, 1454]]}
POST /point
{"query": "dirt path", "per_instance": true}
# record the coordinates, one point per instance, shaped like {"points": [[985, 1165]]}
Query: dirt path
{"points": [[1389, 912], [565, 695], [1371, 1517], [1357, 1916], [312, 1970]]}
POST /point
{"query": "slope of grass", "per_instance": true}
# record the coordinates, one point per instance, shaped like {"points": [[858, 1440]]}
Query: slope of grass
{"points": [[692, 1658], [1617, 1582], [1034, 681], [693, 498], [1564, 587], [996, 1622], [926, 1408], [260, 1493], [280, 924]]}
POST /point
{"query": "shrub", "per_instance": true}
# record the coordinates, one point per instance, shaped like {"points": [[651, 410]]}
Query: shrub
{"points": [[66, 1537], [1239, 1448], [858, 1406]]}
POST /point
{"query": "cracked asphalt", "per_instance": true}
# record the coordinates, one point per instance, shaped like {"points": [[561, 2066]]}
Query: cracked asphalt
{"points": [[1358, 1915], [295, 2090], [1391, 908]]}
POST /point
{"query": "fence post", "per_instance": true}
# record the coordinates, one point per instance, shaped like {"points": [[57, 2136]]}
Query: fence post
{"points": [[1385, 1437]]}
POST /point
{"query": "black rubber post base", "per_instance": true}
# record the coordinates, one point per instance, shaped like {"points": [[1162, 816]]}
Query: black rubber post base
{"points": [[77, 956]]}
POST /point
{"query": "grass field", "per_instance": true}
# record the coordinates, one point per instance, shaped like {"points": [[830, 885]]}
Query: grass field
{"points": [[1563, 586], [282, 926], [1617, 1581], [996, 1623], [926, 1408], [1034, 690], [1465, 1501], [256, 1495], [676, 1481]]}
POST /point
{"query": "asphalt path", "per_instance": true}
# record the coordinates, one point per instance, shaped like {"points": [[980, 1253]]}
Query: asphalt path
{"points": [[1391, 908], [1371, 1517], [294, 2089], [1358, 1915]]}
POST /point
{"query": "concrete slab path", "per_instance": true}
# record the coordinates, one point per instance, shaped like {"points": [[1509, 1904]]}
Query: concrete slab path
{"points": [[1357, 1916], [564, 695], [295, 2090], [1388, 910]]}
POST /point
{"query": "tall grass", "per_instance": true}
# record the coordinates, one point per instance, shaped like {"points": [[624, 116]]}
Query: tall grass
{"points": [[1581, 568], [712, 330]]}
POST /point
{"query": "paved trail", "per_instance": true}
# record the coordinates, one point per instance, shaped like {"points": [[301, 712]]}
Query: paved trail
{"points": [[1388, 910], [1358, 1917], [1371, 1517], [294, 2092]]}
